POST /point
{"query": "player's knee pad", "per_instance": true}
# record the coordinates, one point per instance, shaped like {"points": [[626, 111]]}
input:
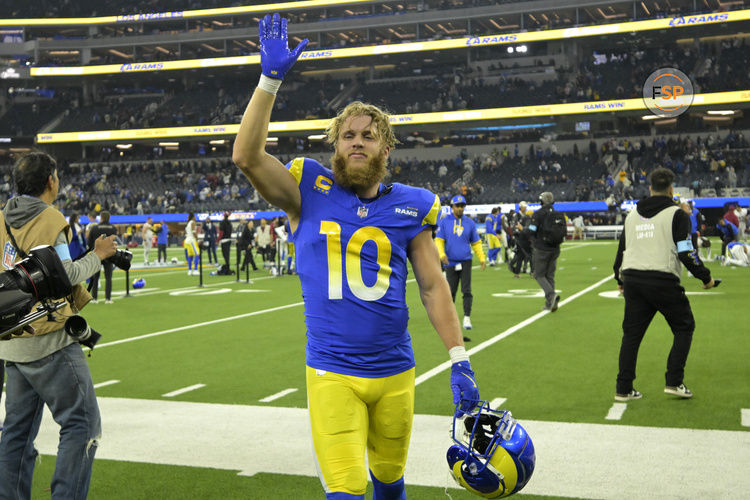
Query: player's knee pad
{"points": [[388, 491]]}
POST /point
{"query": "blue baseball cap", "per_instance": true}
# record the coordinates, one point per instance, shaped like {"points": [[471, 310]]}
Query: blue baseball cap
{"points": [[458, 199]]}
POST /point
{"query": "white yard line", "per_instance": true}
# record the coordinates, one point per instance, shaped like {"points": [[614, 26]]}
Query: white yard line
{"points": [[183, 390], [745, 417], [105, 384], [510, 331], [278, 395], [616, 412], [197, 325]]}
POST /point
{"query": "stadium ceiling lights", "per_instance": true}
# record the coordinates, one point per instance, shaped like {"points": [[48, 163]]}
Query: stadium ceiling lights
{"points": [[720, 112]]}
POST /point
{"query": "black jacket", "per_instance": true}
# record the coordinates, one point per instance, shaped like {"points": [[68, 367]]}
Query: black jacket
{"points": [[681, 227], [98, 230]]}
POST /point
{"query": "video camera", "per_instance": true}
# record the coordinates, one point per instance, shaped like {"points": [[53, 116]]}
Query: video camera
{"points": [[40, 277]]}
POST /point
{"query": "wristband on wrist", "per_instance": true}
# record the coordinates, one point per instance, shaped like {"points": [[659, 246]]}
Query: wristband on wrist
{"points": [[458, 354], [270, 85]]}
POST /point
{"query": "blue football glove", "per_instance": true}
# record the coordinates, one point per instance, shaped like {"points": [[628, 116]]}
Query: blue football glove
{"points": [[275, 57], [464, 386]]}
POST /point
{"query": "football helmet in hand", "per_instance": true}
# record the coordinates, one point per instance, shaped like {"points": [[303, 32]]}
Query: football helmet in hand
{"points": [[493, 455]]}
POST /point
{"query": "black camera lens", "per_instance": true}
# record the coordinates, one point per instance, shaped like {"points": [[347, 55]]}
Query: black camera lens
{"points": [[121, 259], [79, 329]]}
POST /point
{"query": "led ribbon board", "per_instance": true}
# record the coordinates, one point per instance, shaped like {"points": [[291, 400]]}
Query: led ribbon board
{"points": [[579, 108], [456, 43]]}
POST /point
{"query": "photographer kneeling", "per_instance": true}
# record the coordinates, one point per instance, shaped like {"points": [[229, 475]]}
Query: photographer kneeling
{"points": [[48, 366]]}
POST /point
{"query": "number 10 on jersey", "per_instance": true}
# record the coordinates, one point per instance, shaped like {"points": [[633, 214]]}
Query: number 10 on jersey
{"points": [[353, 258]]}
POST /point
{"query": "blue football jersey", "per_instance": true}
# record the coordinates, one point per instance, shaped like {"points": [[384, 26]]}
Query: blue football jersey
{"points": [[458, 234], [352, 263], [489, 225]]}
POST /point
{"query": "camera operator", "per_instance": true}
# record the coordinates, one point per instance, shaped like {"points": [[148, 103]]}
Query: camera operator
{"points": [[106, 229], [47, 366]]}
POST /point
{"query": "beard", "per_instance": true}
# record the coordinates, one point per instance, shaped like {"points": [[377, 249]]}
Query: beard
{"points": [[360, 178]]}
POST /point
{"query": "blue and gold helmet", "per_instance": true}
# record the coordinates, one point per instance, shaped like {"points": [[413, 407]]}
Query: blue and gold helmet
{"points": [[139, 283], [493, 456]]}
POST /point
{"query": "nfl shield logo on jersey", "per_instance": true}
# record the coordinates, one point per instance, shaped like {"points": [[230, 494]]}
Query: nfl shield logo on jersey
{"points": [[362, 212]]}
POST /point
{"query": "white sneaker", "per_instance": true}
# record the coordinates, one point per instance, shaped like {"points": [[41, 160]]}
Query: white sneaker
{"points": [[190, 272], [108, 302], [467, 323], [629, 396], [679, 390], [196, 272]]}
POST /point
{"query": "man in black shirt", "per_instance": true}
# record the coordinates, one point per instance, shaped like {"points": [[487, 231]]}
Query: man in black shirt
{"points": [[225, 237], [654, 245], [106, 229], [546, 250], [245, 245]]}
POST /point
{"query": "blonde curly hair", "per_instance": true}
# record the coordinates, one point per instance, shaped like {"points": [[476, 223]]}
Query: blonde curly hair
{"points": [[380, 118]]}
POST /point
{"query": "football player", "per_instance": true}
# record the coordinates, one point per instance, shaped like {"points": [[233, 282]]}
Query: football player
{"points": [[493, 242], [192, 251], [737, 255], [353, 235]]}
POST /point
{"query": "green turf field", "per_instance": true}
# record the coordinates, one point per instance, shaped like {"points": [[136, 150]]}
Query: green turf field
{"points": [[233, 344]]}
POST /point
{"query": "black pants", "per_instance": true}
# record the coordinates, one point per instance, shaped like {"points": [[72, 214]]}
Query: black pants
{"points": [[642, 301], [94, 284], [249, 258], [212, 258], [545, 263], [464, 276], [226, 247], [161, 250]]}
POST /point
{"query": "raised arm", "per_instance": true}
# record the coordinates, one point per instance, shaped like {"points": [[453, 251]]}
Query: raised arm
{"points": [[267, 174]]}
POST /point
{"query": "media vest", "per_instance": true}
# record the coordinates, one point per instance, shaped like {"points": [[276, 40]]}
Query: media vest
{"points": [[649, 244], [43, 230]]}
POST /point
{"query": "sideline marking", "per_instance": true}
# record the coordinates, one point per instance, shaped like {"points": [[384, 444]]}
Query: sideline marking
{"points": [[105, 384], [278, 395], [660, 457], [510, 331], [745, 417], [198, 325], [497, 402], [183, 390], [615, 413]]}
